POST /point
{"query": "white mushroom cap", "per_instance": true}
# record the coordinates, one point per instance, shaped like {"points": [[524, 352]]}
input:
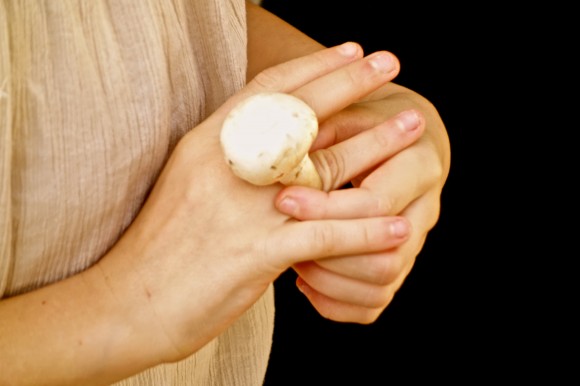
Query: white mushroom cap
{"points": [[266, 138]]}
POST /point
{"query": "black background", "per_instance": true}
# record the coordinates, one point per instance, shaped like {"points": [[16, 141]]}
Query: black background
{"points": [[455, 316]]}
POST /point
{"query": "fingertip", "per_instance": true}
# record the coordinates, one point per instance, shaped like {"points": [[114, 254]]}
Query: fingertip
{"points": [[288, 205], [350, 49], [302, 286], [383, 62], [400, 228], [297, 201], [409, 120]]}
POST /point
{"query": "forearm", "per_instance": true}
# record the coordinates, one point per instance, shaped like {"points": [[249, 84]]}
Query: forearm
{"points": [[272, 41], [72, 332]]}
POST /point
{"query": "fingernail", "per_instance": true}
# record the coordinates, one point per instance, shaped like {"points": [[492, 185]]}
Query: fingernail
{"points": [[382, 62], [399, 228], [348, 49], [289, 206], [408, 120]]}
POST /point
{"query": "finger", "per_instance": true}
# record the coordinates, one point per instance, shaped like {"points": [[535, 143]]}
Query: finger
{"points": [[385, 267], [343, 288], [338, 89], [406, 177], [344, 296], [340, 311], [388, 190], [379, 268], [336, 286], [346, 124], [342, 162], [290, 75], [301, 241], [425, 212]]}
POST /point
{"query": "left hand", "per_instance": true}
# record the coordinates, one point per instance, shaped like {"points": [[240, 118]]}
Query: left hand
{"points": [[408, 184]]}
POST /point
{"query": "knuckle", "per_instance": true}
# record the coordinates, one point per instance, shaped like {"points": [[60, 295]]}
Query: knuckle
{"points": [[323, 239], [433, 215], [330, 166], [270, 79], [382, 137], [379, 203], [436, 172], [369, 235], [352, 77], [433, 171], [320, 62], [386, 205]]}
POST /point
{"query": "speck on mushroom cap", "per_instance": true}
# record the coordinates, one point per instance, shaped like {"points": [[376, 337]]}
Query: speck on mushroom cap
{"points": [[266, 135]]}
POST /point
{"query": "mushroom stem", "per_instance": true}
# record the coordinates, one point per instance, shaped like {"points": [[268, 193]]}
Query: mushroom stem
{"points": [[266, 139], [304, 174]]}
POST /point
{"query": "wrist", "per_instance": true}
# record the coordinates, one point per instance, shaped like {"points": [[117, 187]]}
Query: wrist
{"points": [[135, 329]]}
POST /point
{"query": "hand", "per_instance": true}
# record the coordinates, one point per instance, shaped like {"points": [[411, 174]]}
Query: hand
{"points": [[206, 245], [408, 183]]}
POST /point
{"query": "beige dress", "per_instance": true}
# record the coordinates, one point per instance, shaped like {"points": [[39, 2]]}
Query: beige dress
{"points": [[94, 95]]}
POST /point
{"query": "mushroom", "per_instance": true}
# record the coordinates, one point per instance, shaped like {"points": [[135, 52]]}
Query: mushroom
{"points": [[266, 139]]}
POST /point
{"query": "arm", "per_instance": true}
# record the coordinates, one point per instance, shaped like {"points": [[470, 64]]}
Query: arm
{"points": [[76, 331], [177, 278], [409, 184]]}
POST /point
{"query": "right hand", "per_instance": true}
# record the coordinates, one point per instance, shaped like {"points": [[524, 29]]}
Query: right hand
{"points": [[206, 244]]}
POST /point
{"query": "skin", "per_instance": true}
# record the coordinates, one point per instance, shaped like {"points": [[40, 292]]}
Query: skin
{"points": [[358, 288], [137, 306]]}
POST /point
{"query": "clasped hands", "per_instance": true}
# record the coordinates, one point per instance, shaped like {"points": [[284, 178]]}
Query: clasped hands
{"points": [[206, 244]]}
